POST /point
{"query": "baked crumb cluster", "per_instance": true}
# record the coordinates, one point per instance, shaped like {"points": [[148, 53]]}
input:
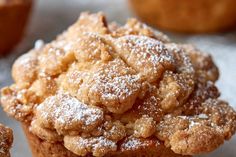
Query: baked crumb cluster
{"points": [[109, 90], [6, 139]]}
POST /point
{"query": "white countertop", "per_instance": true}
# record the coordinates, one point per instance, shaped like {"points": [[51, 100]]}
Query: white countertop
{"points": [[51, 17]]}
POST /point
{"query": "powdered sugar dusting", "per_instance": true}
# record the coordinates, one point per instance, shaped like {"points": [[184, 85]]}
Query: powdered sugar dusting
{"points": [[63, 110], [96, 143], [192, 124], [102, 142], [184, 64], [115, 85], [98, 146], [132, 143], [147, 56], [146, 49], [203, 116]]}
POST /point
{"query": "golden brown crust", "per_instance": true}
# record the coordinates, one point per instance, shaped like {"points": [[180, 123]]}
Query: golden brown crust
{"points": [[12, 13], [190, 16], [95, 87], [6, 139]]}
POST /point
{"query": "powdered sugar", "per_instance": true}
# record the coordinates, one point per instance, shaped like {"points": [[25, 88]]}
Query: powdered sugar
{"points": [[147, 56], [181, 58], [102, 142], [133, 143], [203, 116], [96, 143], [63, 109], [146, 49], [192, 124], [98, 146], [115, 86]]}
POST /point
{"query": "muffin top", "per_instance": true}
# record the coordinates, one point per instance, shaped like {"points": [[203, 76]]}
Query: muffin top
{"points": [[6, 139], [104, 89]]}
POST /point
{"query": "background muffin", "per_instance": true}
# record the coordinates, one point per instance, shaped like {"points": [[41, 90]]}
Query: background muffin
{"points": [[13, 18], [6, 139], [191, 16]]}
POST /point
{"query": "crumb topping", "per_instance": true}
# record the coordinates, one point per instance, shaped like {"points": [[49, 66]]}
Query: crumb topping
{"points": [[147, 56], [109, 90], [66, 113]]}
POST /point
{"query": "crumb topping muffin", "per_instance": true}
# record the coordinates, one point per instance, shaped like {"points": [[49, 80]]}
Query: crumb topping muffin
{"points": [[6, 139], [110, 90]]}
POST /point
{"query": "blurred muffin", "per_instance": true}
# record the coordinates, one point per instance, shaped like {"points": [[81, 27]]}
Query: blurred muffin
{"points": [[6, 139], [109, 90], [13, 18], [190, 16]]}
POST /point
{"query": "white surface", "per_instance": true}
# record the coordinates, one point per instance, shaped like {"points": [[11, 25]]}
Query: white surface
{"points": [[51, 17]]}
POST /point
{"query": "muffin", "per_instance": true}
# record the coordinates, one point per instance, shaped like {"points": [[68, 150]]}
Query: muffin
{"points": [[189, 16], [6, 139], [13, 18], [110, 90]]}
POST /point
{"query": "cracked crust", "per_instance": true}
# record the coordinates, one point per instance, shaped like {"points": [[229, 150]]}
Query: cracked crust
{"points": [[99, 88], [6, 139]]}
